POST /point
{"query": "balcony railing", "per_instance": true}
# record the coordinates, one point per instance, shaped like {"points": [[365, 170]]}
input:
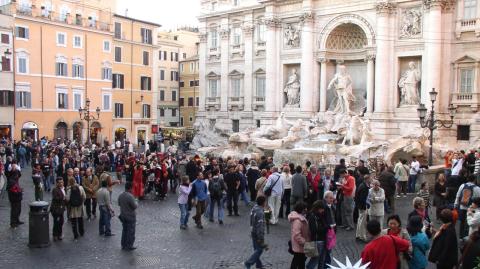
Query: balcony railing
{"points": [[468, 25], [212, 102], [236, 102], [24, 10], [466, 99]]}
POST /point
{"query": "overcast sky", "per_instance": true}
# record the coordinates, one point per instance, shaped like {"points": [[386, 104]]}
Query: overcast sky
{"points": [[168, 13]]}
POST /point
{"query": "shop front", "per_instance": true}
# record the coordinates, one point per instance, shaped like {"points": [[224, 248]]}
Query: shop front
{"points": [[121, 135], [30, 131], [5, 131], [61, 130]]}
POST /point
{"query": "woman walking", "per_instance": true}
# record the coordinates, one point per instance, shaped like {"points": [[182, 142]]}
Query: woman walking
{"points": [[184, 191], [444, 251], [299, 235], [57, 209], [318, 228], [376, 198]]}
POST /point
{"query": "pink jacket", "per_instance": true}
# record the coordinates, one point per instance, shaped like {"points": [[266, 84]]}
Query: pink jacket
{"points": [[300, 232]]}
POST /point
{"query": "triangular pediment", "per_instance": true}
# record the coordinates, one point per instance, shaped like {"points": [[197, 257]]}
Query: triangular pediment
{"points": [[235, 72], [466, 59]]}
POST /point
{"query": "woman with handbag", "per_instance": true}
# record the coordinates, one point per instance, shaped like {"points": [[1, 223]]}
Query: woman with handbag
{"points": [[318, 227], [395, 229], [330, 211], [299, 235]]}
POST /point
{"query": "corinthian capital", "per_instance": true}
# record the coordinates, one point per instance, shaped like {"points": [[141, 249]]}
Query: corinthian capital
{"points": [[248, 30], [272, 22], [224, 33], [306, 16], [385, 7], [438, 3]]}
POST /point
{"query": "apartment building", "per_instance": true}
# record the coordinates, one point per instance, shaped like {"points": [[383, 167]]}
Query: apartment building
{"points": [[189, 91], [7, 99], [134, 82]]}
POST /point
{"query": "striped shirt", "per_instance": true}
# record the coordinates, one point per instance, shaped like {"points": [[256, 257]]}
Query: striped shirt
{"points": [[425, 195], [477, 167]]}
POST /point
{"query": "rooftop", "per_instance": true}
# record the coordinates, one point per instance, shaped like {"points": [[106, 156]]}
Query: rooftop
{"points": [[137, 20]]}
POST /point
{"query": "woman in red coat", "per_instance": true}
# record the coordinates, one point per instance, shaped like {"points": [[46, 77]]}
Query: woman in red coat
{"points": [[137, 190]]}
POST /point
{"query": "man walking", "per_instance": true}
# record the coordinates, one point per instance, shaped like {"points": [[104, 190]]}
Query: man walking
{"points": [[274, 190], [90, 184], [232, 179], [347, 186], [200, 188], [361, 197], [299, 187], [76, 198], [128, 217], [412, 179], [217, 189], [257, 224], [106, 210]]}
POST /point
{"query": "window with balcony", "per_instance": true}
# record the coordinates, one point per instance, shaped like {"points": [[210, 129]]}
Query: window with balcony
{"points": [[146, 35], [145, 83], [64, 13], [466, 80], [62, 100], [236, 87], [118, 81], [469, 9], [61, 69], [77, 71], [118, 30], [92, 20], [236, 36], [77, 42], [78, 19], [213, 39], [146, 111], [22, 32], [46, 10], [213, 87], [6, 98], [23, 99], [260, 88], [236, 2], [118, 110], [118, 54]]}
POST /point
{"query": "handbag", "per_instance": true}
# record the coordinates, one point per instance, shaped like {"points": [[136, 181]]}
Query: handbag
{"points": [[331, 239], [310, 249], [290, 248], [268, 191]]}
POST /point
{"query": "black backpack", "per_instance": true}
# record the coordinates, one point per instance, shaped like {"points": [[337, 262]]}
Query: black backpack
{"points": [[216, 189], [75, 196]]}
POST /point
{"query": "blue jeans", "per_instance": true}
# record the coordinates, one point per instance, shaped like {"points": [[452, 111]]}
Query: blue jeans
{"points": [[207, 207], [412, 181], [318, 262], [104, 222], [47, 183], [211, 209], [244, 197], [255, 258], [184, 214]]}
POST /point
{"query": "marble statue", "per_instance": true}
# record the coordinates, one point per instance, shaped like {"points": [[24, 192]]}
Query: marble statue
{"points": [[412, 23], [367, 134], [292, 37], [353, 131], [292, 89], [409, 85], [342, 82]]}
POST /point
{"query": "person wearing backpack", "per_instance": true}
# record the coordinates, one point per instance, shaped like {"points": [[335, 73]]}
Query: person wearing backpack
{"points": [[465, 195], [76, 198], [217, 188]]}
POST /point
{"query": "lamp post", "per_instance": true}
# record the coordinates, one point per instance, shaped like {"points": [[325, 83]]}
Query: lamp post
{"points": [[87, 116], [431, 122]]}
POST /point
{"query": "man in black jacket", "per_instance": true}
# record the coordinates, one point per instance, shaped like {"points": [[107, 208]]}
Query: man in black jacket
{"points": [[257, 223], [232, 179], [15, 194], [361, 196], [387, 183]]}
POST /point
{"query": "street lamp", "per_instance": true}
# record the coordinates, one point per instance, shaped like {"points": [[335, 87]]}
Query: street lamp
{"points": [[87, 116], [429, 121]]}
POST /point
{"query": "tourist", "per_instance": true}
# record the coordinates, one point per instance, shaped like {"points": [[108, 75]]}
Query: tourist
{"points": [[424, 193], [347, 185], [338, 168], [119, 165], [383, 250], [199, 188], [57, 209], [15, 194], [232, 180], [76, 198], [128, 217], [318, 228], [440, 195], [330, 212], [261, 182], [274, 190], [137, 190], [47, 171], [314, 184], [253, 174], [387, 183], [327, 181], [183, 192], [37, 182], [394, 228], [401, 174], [69, 177], [287, 191], [257, 224], [420, 244], [217, 188], [299, 235], [444, 250], [105, 208], [376, 198], [91, 185], [412, 179], [299, 187], [361, 197], [207, 179], [243, 184], [473, 216], [465, 195], [471, 251], [76, 175], [419, 209]]}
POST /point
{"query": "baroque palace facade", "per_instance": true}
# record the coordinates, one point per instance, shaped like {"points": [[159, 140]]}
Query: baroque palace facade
{"points": [[265, 58]]}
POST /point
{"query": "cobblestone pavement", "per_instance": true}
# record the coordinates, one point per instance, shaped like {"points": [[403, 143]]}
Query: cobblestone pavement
{"points": [[160, 242]]}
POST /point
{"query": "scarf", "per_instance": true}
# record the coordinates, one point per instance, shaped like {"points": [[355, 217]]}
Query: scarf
{"points": [[421, 213]]}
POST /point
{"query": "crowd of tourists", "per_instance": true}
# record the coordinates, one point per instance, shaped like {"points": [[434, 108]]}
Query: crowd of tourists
{"points": [[318, 201]]}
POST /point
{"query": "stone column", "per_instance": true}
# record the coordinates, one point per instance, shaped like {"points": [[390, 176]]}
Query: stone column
{"points": [[306, 79], [370, 82], [383, 67], [248, 83], [271, 90], [224, 80], [202, 52], [323, 84]]}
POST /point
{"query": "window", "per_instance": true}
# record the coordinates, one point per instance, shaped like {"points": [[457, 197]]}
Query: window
{"points": [[191, 83], [190, 119], [118, 54], [77, 71], [23, 99], [165, 55], [106, 101], [463, 132], [466, 80], [162, 112], [6, 98], [62, 100], [184, 56], [118, 30], [213, 39], [236, 87], [107, 73], [197, 101], [145, 83], [212, 88], [192, 67], [117, 81], [162, 95], [22, 64], [261, 33], [6, 64], [181, 68], [146, 35], [5, 39], [146, 111], [106, 46], [260, 87], [172, 75], [236, 2], [470, 9], [162, 74], [118, 110], [235, 126], [174, 112], [181, 121], [77, 42], [181, 102], [190, 101], [182, 84], [174, 96], [171, 56], [61, 39], [197, 82], [77, 100], [258, 123], [22, 32], [61, 69], [176, 56], [236, 36], [146, 57]]}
